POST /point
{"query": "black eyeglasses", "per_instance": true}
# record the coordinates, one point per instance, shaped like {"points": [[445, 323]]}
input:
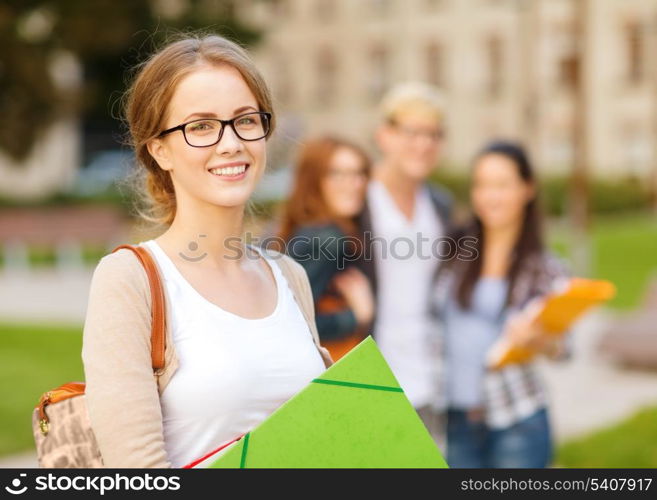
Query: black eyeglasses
{"points": [[411, 133], [206, 132]]}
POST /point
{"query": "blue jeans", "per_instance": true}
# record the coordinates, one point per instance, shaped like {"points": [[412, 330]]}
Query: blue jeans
{"points": [[525, 444]]}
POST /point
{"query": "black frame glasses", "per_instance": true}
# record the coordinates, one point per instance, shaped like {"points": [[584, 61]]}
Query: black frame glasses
{"points": [[266, 126], [436, 136]]}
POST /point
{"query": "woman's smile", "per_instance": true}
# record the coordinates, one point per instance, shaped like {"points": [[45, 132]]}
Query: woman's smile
{"points": [[233, 171]]}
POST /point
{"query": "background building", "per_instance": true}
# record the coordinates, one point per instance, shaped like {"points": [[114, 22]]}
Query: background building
{"points": [[509, 68]]}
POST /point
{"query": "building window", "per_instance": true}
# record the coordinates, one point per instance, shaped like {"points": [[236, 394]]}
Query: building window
{"points": [[567, 70], [327, 68], [379, 8], [633, 41], [282, 78], [435, 64], [280, 9], [379, 74], [229, 9], [325, 10], [495, 66], [432, 5]]}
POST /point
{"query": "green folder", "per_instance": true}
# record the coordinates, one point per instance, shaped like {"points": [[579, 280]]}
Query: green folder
{"points": [[353, 415]]}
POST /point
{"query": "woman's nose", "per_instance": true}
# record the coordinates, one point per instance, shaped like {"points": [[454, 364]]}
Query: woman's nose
{"points": [[230, 143]]}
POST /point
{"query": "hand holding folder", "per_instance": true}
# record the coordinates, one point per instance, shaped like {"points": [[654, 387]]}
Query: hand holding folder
{"points": [[544, 321]]}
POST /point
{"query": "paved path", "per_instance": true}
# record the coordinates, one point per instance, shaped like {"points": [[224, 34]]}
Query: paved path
{"points": [[45, 295], [26, 460]]}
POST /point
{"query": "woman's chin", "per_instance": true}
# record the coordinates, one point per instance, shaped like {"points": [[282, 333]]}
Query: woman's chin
{"points": [[235, 200]]}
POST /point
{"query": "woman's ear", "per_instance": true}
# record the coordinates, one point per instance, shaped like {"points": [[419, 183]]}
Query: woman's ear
{"points": [[160, 153]]}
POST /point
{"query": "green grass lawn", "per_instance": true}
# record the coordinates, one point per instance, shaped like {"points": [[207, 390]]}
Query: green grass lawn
{"points": [[34, 359], [623, 250], [626, 253], [631, 443]]}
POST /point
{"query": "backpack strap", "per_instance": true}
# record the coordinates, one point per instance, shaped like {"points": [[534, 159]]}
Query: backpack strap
{"points": [[158, 324]]}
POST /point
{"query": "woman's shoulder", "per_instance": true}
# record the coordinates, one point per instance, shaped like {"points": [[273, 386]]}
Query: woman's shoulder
{"points": [[119, 306], [122, 269]]}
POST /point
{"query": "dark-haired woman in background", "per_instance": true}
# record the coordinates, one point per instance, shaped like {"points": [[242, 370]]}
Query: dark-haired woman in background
{"points": [[319, 226], [496, 418]]}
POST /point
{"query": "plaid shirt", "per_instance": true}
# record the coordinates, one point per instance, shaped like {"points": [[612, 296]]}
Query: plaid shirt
{"points": [[516, 391]]}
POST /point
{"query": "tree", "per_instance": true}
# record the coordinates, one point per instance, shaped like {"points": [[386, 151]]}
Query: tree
{"points": [[106, 37]]}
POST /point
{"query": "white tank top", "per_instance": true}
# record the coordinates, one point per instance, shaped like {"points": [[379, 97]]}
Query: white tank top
{"points": [[234, 372]]}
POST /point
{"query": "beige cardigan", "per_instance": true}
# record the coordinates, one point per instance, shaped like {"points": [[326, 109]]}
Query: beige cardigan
{"points": [[122, 393]]}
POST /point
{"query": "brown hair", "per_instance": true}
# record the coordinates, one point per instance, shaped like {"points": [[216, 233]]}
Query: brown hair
{"points": [[306, 204], [147, 100]]}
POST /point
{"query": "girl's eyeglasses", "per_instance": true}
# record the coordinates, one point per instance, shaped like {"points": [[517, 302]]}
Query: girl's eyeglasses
{"points": [[206, 132]]}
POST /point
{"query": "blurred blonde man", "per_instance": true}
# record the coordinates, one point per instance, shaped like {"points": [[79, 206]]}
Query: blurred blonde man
{"points": [[403, 220]]}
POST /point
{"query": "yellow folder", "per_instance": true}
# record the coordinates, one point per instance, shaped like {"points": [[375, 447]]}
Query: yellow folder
{"points": [[561, 308]]}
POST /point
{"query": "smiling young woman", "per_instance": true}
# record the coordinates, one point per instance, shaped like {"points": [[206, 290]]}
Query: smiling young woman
{"points": [[238, 343], [497, 418]]}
